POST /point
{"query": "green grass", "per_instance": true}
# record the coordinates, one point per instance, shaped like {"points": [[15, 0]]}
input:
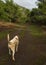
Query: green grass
{"points": [[2, 34], [36, 30]]}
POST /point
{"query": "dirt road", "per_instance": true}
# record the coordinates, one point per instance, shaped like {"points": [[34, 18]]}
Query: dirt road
{"points": [[32, 50]]}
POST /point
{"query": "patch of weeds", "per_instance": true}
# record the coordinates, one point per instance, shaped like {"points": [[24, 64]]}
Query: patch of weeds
{"points": [[2, 34], [35, 30]]}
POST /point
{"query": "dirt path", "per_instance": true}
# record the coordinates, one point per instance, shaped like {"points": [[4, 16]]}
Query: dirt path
{"points": [[32, 50]]}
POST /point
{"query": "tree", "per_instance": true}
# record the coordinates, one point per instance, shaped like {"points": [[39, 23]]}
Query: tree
{"points": [[43, 1], [11, 12], [38, 15]]}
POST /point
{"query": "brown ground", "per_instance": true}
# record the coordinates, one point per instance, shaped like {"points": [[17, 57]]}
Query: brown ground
{"points": [[32, 50]]}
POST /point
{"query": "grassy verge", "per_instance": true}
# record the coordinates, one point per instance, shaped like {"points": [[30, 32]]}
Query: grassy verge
{"points": [[2, 35], [36, 30]]}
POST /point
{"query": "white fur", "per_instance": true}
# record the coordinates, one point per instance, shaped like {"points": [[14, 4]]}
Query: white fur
{"points": [[13, 45]]}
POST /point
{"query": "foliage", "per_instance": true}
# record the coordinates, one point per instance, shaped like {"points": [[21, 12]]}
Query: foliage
{"points": [[9, 11], [38, 15]]}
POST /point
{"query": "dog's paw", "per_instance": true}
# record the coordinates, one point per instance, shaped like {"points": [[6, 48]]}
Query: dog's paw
{"points": [[13, 59]]}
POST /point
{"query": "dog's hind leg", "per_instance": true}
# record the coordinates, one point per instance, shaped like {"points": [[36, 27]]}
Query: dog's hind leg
{"points": [[13, 53]]}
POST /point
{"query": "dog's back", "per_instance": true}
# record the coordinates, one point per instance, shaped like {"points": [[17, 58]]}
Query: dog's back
{"points": [[14, 40]]}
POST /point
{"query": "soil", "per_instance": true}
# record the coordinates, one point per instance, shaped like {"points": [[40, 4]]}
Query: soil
{"points": [[31, 51]]}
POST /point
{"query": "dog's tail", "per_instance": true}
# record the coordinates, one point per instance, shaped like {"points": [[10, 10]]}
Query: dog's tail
{"points": [[8, 38]]}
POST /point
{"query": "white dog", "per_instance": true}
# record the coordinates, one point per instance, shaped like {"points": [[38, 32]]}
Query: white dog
{"points": [[13, 45]]}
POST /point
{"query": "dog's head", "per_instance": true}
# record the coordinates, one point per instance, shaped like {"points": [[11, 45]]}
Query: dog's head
{"points": [[16, 37]]}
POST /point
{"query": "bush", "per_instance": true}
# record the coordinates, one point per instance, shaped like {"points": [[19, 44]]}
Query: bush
{"points": [[40, 20]]}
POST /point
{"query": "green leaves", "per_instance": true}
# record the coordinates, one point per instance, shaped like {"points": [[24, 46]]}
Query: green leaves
{"points": [[38, 15], [9, 11]]}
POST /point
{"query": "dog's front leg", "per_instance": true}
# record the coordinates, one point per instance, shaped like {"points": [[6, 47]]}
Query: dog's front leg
{"points": [[16, 47], [9, 51]]}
